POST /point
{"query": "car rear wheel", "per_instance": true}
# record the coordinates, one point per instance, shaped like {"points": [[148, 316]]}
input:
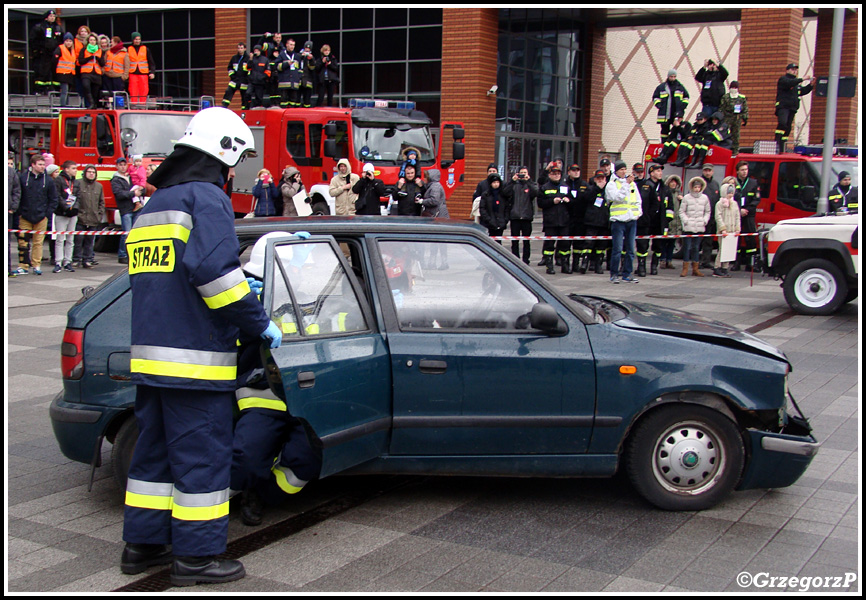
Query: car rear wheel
{"points": [[121, 451], [686, 457], [815, 287]]}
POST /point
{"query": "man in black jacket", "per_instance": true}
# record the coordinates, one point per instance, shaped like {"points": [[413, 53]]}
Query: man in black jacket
{"points": [[128, 199], [554, 202], [647, 221], [65, 217], [520, 195], [788, 92], [410, 190], [45, 37], [748, 196], [671, 98], [369, 190], [238, 77], [493, 209], [596, 220], [665, 215], [576, 210], [712, 79]]}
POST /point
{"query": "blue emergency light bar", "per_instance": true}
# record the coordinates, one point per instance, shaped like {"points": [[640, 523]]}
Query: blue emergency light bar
{"points": [[848, 151], [373, 103]]}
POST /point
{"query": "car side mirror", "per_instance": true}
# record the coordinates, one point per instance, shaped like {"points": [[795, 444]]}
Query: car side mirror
{"points": [[543, 317]]}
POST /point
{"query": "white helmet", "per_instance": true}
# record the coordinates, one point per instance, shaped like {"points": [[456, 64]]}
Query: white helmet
{"points": [[219, 132], [256, 264]]}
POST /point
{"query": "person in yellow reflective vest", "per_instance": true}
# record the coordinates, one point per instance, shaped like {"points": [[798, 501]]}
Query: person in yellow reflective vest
{"points": [[622, 196]]}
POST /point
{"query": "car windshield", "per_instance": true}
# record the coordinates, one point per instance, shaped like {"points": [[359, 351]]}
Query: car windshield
{"points": [[837, 166], [152, 134], [386, 142]]}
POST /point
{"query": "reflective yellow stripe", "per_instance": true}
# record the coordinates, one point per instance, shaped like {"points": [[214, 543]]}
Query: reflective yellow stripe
{"points": [[312, 329], [287, 481], [158, 232], [252, 402], [152, 502], [234, 294], [289, 327], [200, 513], [191, 371]]}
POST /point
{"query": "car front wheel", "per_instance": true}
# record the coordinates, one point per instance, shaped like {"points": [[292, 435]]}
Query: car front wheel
{"points": [[815, 287], [686, 457]]}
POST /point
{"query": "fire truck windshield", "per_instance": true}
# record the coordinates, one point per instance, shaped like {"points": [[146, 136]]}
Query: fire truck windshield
{"points": [[151, 134], [387, 142]]}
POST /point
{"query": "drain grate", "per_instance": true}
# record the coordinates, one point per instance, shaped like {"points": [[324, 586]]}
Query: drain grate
{"points": [[160, 581]]}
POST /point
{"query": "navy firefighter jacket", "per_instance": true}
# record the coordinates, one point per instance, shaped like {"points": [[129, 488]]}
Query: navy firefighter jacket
{"points": [[190, 298]]}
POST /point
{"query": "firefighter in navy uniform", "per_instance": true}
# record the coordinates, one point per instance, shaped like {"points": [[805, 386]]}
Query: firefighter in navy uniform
{"points": [[576, 210], [238, 77], [190, 301], [675, 142], [663, 218], [596, 220], [748, 197], [554, 201], [647, 223], [694, 141], [844, 195], [788, 92]]}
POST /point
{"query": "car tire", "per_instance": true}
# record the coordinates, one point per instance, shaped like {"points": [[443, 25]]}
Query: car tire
{"points": [[686, 457], [121, 451], [321, 209], [815, 287]]}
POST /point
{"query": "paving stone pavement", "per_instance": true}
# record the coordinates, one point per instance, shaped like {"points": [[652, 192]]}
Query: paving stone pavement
{"points": [[463, 534]]}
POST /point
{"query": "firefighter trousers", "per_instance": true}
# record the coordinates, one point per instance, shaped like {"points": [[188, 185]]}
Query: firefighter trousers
{"points": [[272, 454], [178, 487]]}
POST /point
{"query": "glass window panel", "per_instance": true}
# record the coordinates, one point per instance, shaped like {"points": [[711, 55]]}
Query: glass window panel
{"points": [[391, 78], [324, 19], [321, 293], [429, 106], [294, 19], [176, 84], [425, 42], [150, 25], [124, 25], [262, 20], [425, 16], [201, 23], [357, 18], [296, 142], [359, 45], [391, 44], [101, 25], [16, 53], [391, 17], [202, 54], [155, 49], [176, 55], [17, 22], [357, 80], [474, 292], [425, 76], [18, 81]]}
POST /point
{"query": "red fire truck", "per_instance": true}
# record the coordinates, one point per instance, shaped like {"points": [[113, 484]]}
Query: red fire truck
{"points": [[367, 131], [97, 136], [789, 183]]}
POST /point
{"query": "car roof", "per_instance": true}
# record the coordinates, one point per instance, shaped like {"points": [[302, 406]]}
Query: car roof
{"points": [[357, 225]]}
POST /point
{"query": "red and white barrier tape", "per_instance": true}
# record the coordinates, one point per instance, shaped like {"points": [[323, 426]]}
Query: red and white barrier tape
{"points": [[608, 237], [103, 232]]}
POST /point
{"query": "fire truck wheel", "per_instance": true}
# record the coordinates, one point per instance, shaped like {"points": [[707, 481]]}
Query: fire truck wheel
{"points": [[815, 287], [106, 243]]}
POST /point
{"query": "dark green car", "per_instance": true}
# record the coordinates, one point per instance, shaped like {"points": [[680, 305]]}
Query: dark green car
{"points": [[416, 346]]}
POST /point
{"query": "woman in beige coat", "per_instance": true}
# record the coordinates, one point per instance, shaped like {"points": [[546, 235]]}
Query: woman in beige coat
{"points": [[727, 222], [341, 188]]}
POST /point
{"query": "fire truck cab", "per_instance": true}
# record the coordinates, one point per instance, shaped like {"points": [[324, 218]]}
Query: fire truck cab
{"points": [[367, 131], [97, 136], [789, 183]]}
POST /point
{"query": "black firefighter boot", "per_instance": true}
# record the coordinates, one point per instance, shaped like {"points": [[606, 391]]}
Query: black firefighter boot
{"points": [[566, 264], [641, 266], [584, 264], [575, 262], [698, 160], [654, 264], [683, 153], [598, 264], [551, 268]]}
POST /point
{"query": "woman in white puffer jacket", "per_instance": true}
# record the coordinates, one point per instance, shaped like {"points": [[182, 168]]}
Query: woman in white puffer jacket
{"points": [[694, 213]]}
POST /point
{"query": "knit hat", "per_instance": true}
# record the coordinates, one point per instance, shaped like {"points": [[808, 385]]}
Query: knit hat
{"points": [[843, 175], [735, 84], [51, 169], [672, 73], [492, 166], [620, 164], [494, 177], [68, 36], [134, 35], [369, 167]]}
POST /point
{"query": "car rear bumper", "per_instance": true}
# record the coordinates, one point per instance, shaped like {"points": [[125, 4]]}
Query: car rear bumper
{"points": [[78, 428], [777, 459]]}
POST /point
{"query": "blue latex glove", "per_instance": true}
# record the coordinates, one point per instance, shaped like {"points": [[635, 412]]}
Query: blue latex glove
{"points": [[304, 235], [273, 334], [255, 285]]}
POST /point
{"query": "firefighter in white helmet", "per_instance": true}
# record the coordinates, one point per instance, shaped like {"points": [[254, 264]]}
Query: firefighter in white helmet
{"points": [[190, 301]]}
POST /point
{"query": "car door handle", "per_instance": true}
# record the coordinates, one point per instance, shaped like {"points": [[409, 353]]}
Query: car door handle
{"points": [[306, 379], [433, 367]]}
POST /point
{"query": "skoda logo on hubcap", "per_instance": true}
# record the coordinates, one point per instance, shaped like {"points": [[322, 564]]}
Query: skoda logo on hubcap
{"points": [[690, 459]]}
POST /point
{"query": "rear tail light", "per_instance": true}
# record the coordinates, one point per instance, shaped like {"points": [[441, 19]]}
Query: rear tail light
{"points": [[72, 354]]}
